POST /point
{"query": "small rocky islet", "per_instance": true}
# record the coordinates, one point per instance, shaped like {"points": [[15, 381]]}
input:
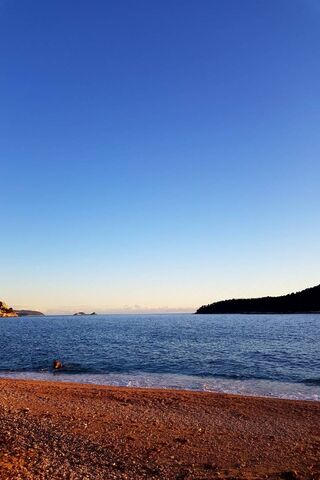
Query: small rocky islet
{"points": [[77, 314]]}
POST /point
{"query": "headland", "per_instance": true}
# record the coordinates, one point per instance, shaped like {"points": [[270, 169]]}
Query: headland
{"points": [[306, 301]]}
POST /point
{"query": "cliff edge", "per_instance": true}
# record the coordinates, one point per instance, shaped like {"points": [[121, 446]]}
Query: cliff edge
{"points": [[6, 311]]}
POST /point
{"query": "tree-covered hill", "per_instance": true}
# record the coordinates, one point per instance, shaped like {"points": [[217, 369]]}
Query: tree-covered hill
{"points": [[306, 301]]}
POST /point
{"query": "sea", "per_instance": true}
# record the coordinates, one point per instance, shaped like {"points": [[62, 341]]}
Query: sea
{"points": [[261, 355]]}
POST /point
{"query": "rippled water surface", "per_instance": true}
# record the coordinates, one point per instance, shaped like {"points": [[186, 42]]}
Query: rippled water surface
{"points": [[274, 355]]}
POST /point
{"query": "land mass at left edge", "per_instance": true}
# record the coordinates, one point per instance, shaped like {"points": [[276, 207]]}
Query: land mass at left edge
{"points": [[6, 311]]}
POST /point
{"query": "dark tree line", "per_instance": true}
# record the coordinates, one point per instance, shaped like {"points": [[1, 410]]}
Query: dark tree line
{"points": [[301, 302]]}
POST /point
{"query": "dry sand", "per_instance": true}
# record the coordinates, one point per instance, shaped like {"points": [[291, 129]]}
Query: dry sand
{"points": [[70, 431]]}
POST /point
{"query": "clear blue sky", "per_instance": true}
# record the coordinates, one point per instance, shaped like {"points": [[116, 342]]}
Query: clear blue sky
{"points": [[158, 154]]}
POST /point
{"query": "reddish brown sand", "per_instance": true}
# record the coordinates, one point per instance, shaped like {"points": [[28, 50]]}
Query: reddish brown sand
{"points": [[69, 431]]}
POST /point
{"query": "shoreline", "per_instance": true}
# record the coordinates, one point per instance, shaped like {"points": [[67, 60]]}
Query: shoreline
{"points": [[151, 390], [263, 388], [69, 430]]}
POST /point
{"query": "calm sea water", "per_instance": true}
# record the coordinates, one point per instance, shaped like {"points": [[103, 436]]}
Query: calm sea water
{"points": [[276, 355]]}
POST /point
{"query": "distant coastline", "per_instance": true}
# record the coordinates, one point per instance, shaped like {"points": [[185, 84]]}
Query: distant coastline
{"points": [[29, 313], [306, 301], [6, 311]]}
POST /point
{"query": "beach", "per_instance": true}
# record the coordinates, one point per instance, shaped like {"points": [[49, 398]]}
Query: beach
{"points": [[74, 431]]}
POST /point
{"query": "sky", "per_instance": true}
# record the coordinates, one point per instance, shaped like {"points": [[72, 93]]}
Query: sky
{"points": [[158, 155]]}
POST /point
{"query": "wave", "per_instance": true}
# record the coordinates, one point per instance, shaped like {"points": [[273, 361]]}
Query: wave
{"points": [[73, 368], [311, 381], [251, 387], [77, 369], [67, 368]]}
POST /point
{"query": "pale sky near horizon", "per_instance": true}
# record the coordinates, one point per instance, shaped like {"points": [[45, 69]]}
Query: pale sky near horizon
{"points": [[158, 155]]}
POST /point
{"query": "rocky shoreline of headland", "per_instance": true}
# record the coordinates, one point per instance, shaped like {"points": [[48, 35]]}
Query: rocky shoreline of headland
{"points": [[6, 311]]}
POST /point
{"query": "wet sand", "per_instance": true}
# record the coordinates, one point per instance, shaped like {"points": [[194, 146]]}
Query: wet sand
{"points": [[71, 431]]}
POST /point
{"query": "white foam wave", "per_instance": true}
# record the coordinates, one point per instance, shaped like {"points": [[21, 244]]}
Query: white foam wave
{"points": [[264, 388]]}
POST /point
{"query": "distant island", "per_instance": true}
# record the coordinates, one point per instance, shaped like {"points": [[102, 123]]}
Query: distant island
{"points": [[6, 311], [306, 301], [83, 313]]}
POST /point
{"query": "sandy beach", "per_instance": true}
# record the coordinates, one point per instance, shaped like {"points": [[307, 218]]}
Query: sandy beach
{"points": [[72, 431]]}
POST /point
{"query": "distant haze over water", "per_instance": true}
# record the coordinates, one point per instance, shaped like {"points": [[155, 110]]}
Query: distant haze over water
{"points": [[276, 355]]}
